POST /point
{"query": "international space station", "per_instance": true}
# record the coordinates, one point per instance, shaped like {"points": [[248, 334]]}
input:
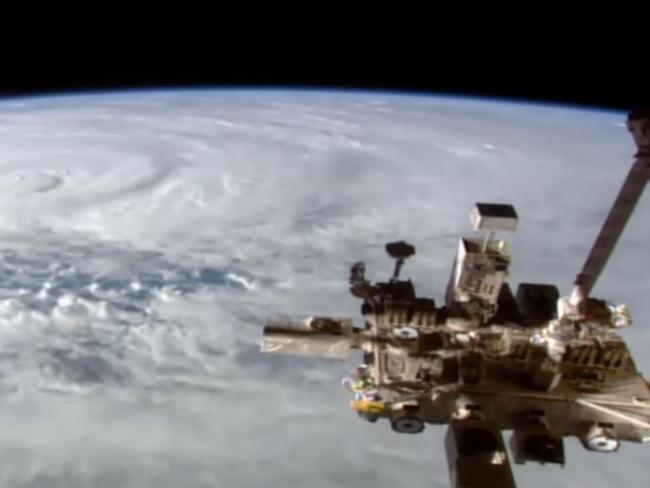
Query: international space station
{"points": [[536, 363]]}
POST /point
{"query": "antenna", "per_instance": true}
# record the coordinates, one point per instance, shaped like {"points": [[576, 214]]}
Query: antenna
{"points": [[359, 285], [400, 251], [638, 123]]}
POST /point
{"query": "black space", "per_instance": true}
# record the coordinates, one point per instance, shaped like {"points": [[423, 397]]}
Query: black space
{"points": [[557, 76]]}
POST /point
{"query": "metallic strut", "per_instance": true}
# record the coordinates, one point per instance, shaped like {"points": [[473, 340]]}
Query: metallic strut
{"points": [[615, 413], [638, 124]]}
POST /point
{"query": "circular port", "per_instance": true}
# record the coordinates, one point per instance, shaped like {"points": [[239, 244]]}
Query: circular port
{"points": [[405, 333], [406, 423], [601, 439]]}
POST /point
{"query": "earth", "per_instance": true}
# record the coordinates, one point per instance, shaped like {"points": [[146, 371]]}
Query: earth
{"points": [[145, 237]]}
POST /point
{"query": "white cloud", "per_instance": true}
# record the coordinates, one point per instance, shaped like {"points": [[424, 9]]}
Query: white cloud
{"points": [[128, 362]]}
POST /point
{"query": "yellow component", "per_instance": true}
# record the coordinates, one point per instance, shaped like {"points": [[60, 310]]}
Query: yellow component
{"points": [[368, 406], [358, 386]]}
